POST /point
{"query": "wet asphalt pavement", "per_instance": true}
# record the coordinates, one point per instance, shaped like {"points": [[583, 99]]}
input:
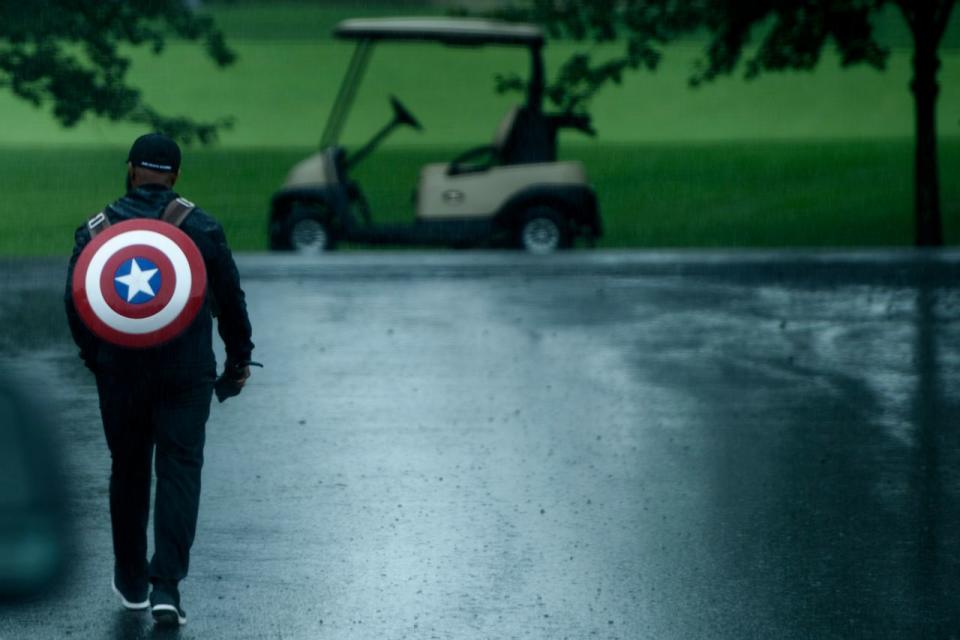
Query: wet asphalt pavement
{"points": [[599, 445]]}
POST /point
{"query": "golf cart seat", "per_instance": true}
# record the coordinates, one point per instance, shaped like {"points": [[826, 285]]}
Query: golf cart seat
{"points": [[505, 128], [522, 137]]}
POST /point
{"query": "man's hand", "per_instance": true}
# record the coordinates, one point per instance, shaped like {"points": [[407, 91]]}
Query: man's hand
{"points": [[234, 377], [239, 375]]}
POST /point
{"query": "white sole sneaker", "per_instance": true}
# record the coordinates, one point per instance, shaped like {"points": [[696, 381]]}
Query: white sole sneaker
{"points": [[132, 606], [167, 614]]}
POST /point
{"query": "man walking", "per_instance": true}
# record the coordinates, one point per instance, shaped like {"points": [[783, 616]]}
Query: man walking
{"points": [[158, 396]]}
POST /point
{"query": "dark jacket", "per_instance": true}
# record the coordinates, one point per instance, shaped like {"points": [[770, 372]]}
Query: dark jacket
{"points": [[191, 353]]}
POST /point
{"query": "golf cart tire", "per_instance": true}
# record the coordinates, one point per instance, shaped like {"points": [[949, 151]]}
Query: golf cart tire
{"points": [[307, 232], [543, 230]]}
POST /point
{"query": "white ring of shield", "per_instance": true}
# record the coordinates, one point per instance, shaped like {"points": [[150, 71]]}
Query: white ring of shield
{"points": [[181, 291]]}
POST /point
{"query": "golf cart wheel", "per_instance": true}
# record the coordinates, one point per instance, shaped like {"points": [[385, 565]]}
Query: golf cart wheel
{"points": [[307, 233], [543, 230]]}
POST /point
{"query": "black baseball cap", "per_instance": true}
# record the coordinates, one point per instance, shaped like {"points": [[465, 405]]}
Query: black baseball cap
{"points": [[155, 151]]}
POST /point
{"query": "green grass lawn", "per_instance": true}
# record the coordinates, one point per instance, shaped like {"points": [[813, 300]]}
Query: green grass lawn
{"points": [[820, 194], [284, 82], [811, 159]]}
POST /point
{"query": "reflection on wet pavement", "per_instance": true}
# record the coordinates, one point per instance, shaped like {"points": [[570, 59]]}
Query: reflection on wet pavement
{"points": [[466, 447]]}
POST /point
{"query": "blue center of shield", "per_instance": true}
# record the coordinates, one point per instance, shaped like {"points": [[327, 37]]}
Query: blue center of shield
{"points": [[137, 280]]}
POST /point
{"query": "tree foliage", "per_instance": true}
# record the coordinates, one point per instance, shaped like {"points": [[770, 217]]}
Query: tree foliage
{"points": [[790, 34], [68, 53]]}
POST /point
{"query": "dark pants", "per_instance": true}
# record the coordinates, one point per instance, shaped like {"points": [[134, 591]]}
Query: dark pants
{"points": [[138, 414]]}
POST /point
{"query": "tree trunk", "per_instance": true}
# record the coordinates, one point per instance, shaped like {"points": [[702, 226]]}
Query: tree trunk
{"points": [[926, 64]]}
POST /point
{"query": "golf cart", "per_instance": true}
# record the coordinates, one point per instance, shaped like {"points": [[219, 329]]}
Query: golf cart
{"points": [[512, 192]]}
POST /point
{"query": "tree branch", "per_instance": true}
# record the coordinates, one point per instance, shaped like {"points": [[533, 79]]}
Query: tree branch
{"points": [[909, 13], [942, 19]]}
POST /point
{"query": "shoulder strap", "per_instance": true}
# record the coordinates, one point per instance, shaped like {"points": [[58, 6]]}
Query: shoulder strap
{"points": [[97, 223], [177, 211]]}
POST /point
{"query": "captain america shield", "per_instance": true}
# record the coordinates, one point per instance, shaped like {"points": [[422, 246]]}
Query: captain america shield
{"points": [[139, 283]]}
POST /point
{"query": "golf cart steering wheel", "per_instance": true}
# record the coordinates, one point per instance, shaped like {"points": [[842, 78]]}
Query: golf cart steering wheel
{"points": [[402, 116]]}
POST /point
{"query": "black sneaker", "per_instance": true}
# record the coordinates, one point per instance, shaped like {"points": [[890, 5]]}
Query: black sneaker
{"points": [[133, 598], [165, 608]]}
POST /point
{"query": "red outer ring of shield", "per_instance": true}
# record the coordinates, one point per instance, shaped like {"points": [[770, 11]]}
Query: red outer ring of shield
{"points": [[164, 334], [168, 279]]}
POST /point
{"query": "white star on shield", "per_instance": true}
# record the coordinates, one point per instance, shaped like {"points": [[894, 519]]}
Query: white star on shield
{"points": [[138, 280]]}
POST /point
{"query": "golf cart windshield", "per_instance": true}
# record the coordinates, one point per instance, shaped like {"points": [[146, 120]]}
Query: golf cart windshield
{"points": [[450, 31]]}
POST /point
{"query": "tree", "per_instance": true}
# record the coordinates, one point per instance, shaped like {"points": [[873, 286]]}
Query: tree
{"points": [[792, 35], [67, 53]]}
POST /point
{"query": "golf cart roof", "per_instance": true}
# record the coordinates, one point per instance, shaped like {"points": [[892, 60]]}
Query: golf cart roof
{"points": [[466, 31]]}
